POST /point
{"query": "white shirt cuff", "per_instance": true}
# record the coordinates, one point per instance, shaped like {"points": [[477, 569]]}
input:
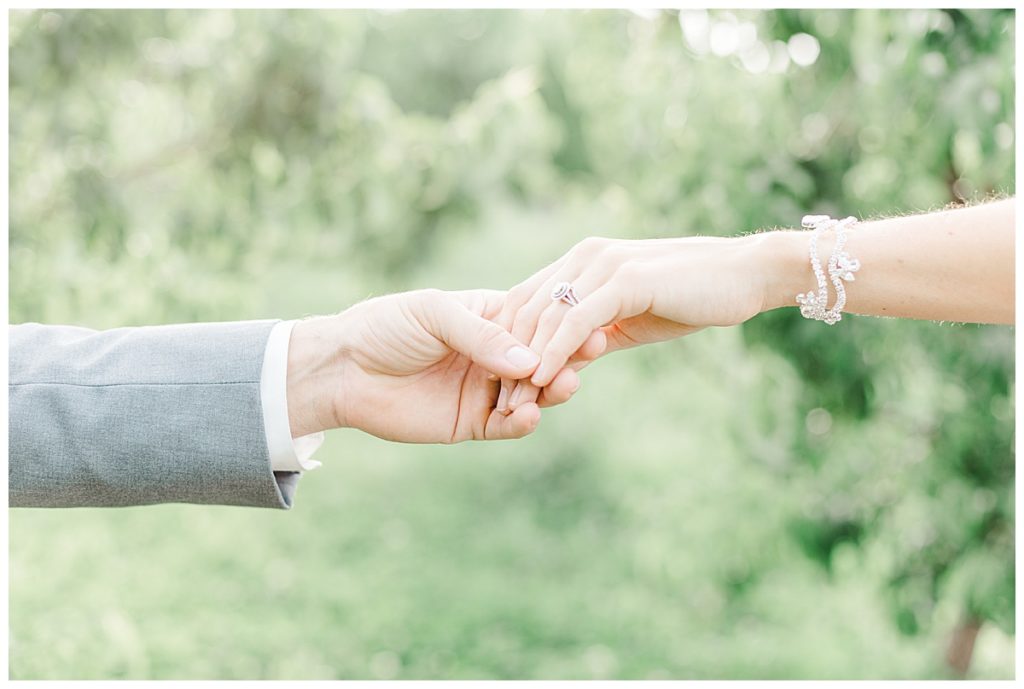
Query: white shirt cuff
{"points": [[286, 453]]}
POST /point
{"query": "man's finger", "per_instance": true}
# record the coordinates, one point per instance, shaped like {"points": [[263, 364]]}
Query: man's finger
{"points": [[483, 341]]}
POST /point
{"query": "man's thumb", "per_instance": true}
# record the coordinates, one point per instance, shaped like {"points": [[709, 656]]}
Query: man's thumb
{"points": [[485, 342]]}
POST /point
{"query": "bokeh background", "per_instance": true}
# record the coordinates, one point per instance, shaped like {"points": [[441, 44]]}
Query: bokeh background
{"points": [[781, 500]]}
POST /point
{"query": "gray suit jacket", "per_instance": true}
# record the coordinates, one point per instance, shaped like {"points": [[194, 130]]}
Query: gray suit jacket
{"points": [[135, 416]]}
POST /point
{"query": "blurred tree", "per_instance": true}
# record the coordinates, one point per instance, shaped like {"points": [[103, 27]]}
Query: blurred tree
{"points": [[163, 163]]}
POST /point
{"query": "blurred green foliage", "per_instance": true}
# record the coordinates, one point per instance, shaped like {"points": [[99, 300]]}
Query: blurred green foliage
{"points": [[781, 500]]}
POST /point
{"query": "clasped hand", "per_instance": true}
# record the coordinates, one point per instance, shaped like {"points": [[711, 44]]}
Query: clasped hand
{"points": [[424, 366]]}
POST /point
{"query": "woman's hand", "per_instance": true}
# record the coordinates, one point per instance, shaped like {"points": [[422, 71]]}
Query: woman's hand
{"points": [[634, 292], [950, 265]]}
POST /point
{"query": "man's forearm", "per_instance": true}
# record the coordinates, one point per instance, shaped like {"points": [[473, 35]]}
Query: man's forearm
{"points": [[316, 380], [136, 416]]}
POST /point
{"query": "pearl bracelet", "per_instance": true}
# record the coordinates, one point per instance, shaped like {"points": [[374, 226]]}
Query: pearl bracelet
{"points": [[841, 266]]}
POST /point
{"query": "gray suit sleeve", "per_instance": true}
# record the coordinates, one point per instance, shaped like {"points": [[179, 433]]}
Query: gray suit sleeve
{"points": [[137, 416]]}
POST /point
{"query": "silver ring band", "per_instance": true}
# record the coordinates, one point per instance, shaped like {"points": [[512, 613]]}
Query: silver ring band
{"points": [[564, 291]]}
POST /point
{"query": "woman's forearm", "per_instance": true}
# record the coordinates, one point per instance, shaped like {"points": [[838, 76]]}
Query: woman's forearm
{"points": [[955, 265], [952, 265]]}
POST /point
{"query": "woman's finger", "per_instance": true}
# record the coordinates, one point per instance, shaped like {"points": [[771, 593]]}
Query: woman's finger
{"points": [[583, 258], [519, 423], [633, 332], [515, 299], [611, 302], [562, 388], [546, 324], [567, 381], [526, 325], [595, 346]]}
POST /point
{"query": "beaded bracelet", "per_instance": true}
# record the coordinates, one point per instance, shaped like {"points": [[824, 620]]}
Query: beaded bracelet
{"points": [[841, 266]]}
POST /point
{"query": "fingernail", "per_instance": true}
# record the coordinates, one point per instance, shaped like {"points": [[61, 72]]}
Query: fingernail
{"points": [[491, 377], [516, 396], [538, 376], [521, 357], [576, 386], [502, 396]]}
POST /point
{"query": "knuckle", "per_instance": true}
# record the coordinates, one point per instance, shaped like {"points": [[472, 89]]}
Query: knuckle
{"points": [[518, 295], [528, 316], [576, 319], [615, 255], [591, 246], [550, 319], [577, 315], [628, 272], [431, 293], [557, 350], [429, 300]]}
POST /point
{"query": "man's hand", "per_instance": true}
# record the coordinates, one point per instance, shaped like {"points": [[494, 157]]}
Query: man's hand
{"points": [[417, 367]]}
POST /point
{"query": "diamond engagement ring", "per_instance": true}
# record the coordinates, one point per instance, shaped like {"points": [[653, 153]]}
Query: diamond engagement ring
{"points": [[563, 291]]}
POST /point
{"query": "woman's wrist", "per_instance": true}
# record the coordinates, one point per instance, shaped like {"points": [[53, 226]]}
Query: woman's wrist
{"points": [[783, 267]]}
